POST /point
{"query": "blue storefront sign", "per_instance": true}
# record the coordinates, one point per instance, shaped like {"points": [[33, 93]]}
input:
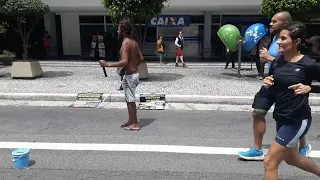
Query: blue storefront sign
{"points": [[169, 21]]}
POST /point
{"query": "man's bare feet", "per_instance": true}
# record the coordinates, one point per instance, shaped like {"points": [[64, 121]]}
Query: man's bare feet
{"points": [[132, 127], [125, 124]]}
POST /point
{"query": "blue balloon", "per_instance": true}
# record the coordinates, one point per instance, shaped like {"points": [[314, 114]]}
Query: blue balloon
{"points": [[253, 35]]}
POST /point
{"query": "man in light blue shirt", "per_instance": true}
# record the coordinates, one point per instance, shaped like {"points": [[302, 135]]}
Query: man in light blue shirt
{"points": [[272, 53], [273, 49]]}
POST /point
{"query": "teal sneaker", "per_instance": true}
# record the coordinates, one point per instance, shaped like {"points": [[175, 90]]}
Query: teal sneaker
{"points": [[305, 151], [253, 155]]}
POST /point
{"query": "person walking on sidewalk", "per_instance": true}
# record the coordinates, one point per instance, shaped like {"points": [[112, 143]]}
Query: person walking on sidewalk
{"points": [[161, 49], [231, 56], [292, 112], [179, 42], [131, 58], [262, 101]]}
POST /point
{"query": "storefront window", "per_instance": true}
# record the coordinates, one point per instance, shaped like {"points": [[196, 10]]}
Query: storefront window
{"points": [[197, 19], [89, 25], [151, 36], [191, 37], [91, 19], [86, 32], [215, 19], [313, 29], [112, 41], [217, 47]]}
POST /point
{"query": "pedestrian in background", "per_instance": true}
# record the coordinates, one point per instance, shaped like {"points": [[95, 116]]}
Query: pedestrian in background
{"points": [[161, 49]]}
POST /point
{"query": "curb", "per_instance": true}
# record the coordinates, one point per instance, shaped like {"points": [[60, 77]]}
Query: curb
{"points": [[198, 99]]}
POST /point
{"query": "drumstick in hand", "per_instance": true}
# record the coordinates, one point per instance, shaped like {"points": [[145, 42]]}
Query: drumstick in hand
{"points": [[104, 71]]}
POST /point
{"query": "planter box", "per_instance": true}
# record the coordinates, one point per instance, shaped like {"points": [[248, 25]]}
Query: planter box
{"points": [[6, 59], [143, 71], [26, 69]]}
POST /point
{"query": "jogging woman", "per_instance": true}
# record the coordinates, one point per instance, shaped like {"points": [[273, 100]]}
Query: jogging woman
{"points": [[292, 112]]}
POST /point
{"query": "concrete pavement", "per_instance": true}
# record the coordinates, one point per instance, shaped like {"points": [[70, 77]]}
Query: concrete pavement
{"points": [[181, 128], [199, 83]]}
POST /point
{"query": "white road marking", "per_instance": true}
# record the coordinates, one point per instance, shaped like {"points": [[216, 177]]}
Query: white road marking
{"points": [[121, 105], [132, 147]]}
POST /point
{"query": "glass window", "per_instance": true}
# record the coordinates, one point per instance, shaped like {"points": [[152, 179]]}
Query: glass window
{"points": [[112, 29], [137, 31], [191, 36], [108, 20], [192, 30], [197, 19], [215, 19], [217, 47], [313, 29], [86, 32], [91, 19], [151, 35], [251, 16], [244, 20]]}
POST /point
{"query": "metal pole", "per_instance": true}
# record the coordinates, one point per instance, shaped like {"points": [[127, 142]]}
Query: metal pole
{"points": [[251, 63], [239, 59]]}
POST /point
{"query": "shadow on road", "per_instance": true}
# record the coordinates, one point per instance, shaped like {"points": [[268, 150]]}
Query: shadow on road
{"points": [[235, 74], [3, 74], [54, 74], [143, 122], [155, 77], [31, 163]]}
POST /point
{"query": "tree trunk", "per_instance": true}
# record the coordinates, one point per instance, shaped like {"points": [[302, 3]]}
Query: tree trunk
{"points": [[25, 42], [140, 34], [25, 50], [144, 35]]}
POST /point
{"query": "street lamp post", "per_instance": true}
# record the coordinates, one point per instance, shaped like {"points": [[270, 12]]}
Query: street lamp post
{"points": [[240, 42]]}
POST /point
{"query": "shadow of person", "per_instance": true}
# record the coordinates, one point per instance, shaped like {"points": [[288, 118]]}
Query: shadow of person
{"points": [[235, 75], [143, 122], [55, 74], [163, 77]]}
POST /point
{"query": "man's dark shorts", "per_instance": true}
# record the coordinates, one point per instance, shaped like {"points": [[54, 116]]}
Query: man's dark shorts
{"points": [[262, 101]]}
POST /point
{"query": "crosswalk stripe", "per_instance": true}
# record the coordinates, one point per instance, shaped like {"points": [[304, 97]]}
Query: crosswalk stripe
{"points": [[132, 148]]}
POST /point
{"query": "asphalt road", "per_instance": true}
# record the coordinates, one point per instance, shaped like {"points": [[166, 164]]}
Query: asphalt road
{"points": [[189, 128]]}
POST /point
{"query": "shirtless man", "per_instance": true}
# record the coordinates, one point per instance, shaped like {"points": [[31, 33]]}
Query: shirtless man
{"points": [[131, 58]]}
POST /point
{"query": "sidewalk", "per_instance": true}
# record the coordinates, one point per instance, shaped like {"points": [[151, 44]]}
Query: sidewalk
{"points": [[199, 83]]}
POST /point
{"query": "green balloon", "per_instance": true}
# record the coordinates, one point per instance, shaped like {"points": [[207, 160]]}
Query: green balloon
{"points": [[228, 35]]}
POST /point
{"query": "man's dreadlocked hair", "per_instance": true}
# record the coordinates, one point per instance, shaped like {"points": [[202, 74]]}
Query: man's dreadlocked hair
{"points": [[126, 27]]}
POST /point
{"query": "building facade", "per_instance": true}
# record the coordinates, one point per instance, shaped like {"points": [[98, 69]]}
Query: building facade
{"points": [[71, 24]]}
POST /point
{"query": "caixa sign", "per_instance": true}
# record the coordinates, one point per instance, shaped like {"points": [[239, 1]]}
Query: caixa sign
{"points": [[169, 21]]}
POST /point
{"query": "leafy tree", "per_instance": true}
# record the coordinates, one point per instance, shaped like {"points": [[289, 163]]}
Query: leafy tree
{"points": [[302, 10], [137, 11], [3, 24], [23, 16], [3, 27]]}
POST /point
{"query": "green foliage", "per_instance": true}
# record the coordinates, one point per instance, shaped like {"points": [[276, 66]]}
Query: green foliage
{"points": [[25, 8], [134, 10], [22, 16], [3, 24], [2, 3], [302, 10], [8, 53], [3, 27]]}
